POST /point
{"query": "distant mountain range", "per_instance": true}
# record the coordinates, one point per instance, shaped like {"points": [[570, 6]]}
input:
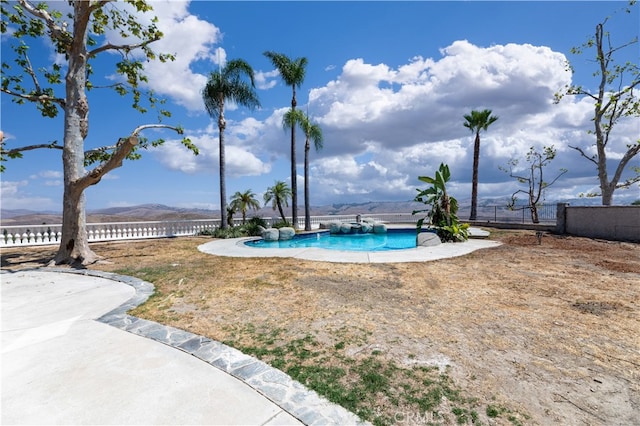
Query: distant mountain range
{"points": [[157, 212]]}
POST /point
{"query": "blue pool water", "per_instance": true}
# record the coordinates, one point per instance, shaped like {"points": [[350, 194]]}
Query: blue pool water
{"points": [[394, 239]]}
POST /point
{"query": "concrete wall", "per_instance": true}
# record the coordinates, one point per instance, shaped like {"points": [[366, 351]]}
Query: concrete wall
{"points": [[617, 223]]}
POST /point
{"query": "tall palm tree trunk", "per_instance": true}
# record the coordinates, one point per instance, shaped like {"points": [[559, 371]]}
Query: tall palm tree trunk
{"points": [[474, 179], [294, 183], [307, 209], [223, 184], [281, 211]]}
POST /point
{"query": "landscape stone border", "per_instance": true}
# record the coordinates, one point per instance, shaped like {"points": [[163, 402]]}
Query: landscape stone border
{"points": [[299, 401]]}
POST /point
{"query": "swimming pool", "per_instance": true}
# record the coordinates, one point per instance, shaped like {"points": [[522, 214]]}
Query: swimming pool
{"points": [[394, 239]]}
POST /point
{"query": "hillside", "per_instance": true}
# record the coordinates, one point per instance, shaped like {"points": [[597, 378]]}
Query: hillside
{"points": [[159, 212]]}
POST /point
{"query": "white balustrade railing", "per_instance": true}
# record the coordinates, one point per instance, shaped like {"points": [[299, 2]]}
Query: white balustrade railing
{"points": [[33, 235], [36, 235]]}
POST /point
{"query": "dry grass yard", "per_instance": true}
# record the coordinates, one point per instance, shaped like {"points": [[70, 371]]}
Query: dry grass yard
{"points": [[525, 333]]}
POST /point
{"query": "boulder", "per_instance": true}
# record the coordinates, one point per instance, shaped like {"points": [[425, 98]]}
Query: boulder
{"points": [[366, 227], [379, 228], [287, 233], [345, 228], [427, 239], [334, 227], [271, 234]]}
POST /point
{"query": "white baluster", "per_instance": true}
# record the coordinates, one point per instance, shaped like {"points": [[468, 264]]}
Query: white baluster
{"points": [[38, 238]]}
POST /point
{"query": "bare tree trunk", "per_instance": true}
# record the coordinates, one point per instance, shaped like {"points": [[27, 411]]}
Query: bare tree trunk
{"points": [[74, 244], [607, 195], [534, 214], [474, 179]]}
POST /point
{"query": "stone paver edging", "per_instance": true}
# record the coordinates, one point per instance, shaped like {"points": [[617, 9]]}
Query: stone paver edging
{"points": [[304, 404]]}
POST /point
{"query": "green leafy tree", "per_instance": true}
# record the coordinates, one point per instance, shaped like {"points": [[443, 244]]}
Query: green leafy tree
{"points": [[312, 132], [79, 39], [292, 72], [615, 99], [278, 195], [228, 84], [532, 176], [443, 208], [476, 122], [243, 201]]}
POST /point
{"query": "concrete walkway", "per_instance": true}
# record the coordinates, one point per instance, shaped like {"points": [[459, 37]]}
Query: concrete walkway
{"points": [[71, 355]]}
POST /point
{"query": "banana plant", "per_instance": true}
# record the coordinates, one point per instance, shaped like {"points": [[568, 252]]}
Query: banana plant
{"points": [[442, 208]]}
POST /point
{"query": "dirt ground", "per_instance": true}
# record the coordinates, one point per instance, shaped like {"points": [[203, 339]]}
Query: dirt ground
{"points": [[551, 330]]}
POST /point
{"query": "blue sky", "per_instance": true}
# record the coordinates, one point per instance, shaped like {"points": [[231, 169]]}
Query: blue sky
{"points": [[388, 83]]}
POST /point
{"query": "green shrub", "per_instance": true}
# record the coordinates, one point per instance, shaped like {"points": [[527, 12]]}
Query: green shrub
{"points": [[281, 224], [254, 226]]}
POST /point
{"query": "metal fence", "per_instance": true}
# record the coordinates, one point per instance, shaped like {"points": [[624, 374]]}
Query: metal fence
{"points": [[518, 214]]}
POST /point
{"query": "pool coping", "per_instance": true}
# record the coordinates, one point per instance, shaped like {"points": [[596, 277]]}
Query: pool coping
{"points": [[235, 247]]}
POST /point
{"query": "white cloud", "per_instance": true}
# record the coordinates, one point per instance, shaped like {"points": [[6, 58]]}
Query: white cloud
{"points": [[14, 195], [383, 126], [266, 80], [239, 158], [48, 174], [191, 40], [49, 178]]}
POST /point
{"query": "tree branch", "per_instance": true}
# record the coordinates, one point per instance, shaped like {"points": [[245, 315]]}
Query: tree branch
{"points": [[29, 70], [122, 149], [57, 32], [120, 48], [98, 4], [577, 148], [10, 152], [557, 177], [35, 98]]}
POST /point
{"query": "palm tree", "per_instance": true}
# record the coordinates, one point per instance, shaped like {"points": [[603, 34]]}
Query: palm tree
{"points": [[292, 72], [227, 84], [477, 121], [311, 132], [243, 201], [230, 212], [278, 195]]}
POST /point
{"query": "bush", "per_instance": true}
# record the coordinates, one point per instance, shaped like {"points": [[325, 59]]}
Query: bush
{"points": [[254, 226], [232, 232], [281, 224]]}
